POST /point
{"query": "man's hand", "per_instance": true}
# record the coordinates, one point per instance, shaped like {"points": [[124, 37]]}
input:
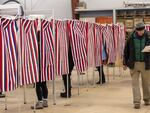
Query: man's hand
{"points": [[124, 67]]}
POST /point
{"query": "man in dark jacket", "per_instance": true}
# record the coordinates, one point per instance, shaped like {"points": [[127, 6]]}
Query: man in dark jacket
{"points": [[139, 63]]}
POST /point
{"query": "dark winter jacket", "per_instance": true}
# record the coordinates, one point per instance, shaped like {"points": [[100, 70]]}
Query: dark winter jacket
{"points": [[129, 52]]}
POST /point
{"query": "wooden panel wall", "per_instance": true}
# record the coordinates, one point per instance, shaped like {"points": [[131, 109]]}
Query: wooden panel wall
{"points": [[74, 4]]}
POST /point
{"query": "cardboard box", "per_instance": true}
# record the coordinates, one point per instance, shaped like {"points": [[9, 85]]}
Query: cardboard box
{"points": [[147, 20], [129, 23], [104, 20], [82, 5], [137, 20], [121, 21]]}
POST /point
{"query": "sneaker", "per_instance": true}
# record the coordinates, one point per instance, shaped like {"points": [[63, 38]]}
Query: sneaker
{"points": [[2, 95], [45, 103], [137, 106], [39, 105], [146, 102]]}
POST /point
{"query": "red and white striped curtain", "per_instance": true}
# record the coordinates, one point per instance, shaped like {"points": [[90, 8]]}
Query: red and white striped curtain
{"points": [[116, 39], [86, 45], [121, 41], [61, 49], [78, 44], [108, 39], [9, 55], [47, 51], [1, 57], [98, 45], [147, 27], [29, 52], [90, 45]]}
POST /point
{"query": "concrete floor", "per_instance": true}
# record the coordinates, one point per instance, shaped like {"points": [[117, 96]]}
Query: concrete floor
{"points": [[113, 97]]}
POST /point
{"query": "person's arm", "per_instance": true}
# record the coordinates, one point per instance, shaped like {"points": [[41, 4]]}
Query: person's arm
{"points": [[126, 54]]}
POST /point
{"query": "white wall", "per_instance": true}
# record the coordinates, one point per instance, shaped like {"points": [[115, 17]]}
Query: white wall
{"points": [[1, 1], [104, 4], [62, 8]]}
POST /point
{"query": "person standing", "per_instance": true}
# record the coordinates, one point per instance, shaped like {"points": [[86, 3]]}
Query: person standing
{"points": [[41, 87], [71, 65], [100, 69], [138, 63]]}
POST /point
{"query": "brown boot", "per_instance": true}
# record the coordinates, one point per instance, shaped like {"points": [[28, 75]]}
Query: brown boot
{"points": [[137, 106], [146, 102]]}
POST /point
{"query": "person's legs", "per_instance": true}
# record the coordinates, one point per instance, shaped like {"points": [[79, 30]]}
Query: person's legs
{"points": [[101, 75], [39, 91], [145, 84], [65, 85], [136, 88], [44, 90], [44, 93], [135, 73], [39, 104], [98, 69], [69, 82], [65, 76], [71, 66], [146, 87]]}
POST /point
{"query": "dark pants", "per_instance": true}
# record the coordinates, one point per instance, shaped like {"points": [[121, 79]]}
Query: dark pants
{"points": [[41, 87], [69, 78], [41, 90], [101, 73], [65, 82], [71, 65]]}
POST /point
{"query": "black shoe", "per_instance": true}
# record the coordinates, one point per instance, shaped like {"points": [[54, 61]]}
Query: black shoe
{"points": [[82, 73], [64, 95], [103, 82], [99, 82], [2, 96]]}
